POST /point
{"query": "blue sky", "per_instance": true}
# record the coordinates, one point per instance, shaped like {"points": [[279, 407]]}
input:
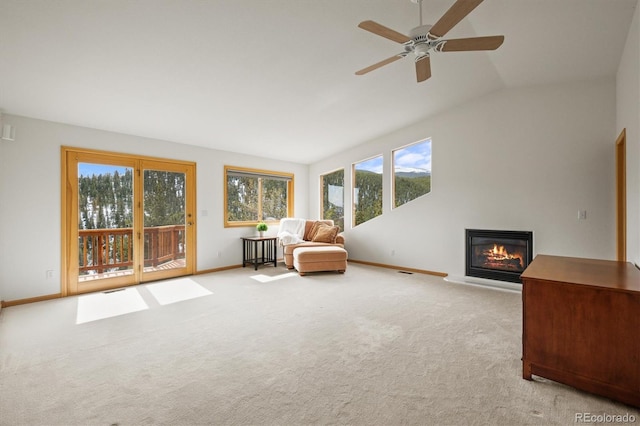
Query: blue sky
{"points": [[415, 156], [88, 169], [372, 165]]}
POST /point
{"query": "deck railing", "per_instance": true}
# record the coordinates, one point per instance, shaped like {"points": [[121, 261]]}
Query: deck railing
{"points": [[106, 250]]}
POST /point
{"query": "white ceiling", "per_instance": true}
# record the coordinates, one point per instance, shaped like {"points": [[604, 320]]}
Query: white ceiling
{"points": [[276, 77]]}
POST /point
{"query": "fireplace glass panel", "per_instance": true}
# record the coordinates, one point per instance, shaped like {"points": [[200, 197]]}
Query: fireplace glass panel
{"points": [[498, 255], [503, 254]]}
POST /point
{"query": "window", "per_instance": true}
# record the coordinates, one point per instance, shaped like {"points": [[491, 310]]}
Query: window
{"points": [[254, 195], [367, 190], [411, 172], [332, 201]]}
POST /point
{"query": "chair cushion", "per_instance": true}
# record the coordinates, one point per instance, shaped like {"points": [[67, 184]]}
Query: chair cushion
{"points": [[326, 234], [311, 227], [319, 254]]}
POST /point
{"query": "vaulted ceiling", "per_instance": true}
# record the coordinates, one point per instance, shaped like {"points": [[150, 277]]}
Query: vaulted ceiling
{"points": [[276, 77]]}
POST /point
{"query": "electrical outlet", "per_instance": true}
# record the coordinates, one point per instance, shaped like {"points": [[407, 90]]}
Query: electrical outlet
{"points": [[582, 214], [49, 274]]}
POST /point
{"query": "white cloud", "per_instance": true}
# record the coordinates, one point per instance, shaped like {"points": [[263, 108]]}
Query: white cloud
{"points": [[416, 156]]}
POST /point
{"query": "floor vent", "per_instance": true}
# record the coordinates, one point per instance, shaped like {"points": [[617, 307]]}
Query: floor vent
{"points": [[113, 291], [405, 272]]}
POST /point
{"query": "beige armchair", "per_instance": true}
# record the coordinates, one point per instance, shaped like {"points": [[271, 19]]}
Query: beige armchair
{"points": [[309, 241]]}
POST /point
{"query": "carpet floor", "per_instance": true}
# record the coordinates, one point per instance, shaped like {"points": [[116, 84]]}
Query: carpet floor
{"points": [[242, 347]]}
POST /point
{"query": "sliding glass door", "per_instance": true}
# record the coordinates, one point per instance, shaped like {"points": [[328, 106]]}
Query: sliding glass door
{"points": [[166, 221], [126, 220]]}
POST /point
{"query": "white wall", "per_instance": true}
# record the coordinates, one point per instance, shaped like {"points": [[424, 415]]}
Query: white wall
{"points": [[628, 116], [520, 159], [542, 152], [3, 186], [30, 199]]}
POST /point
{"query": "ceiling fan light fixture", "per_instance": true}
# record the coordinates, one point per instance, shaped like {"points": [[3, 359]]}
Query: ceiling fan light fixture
{"points": [[421, 49]]}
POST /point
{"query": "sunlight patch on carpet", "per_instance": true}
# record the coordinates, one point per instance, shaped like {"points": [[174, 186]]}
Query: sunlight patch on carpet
{"points": [[266, 278], [98, 306], [173, 291]]}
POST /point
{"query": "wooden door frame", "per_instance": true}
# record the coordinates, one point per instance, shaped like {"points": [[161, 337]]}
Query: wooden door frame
{"points": [[189, 170], [621, 196], [69, 215]]}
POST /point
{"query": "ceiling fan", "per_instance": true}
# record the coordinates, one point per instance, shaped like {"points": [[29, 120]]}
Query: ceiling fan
{"points": [[423, 40]]}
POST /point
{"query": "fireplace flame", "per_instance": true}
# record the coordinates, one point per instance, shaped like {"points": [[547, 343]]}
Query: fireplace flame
{"points": [[500, 251], [500, 254]]}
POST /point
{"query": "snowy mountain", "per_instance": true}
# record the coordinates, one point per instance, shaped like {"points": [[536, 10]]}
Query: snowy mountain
{"points": [[411, 172]]}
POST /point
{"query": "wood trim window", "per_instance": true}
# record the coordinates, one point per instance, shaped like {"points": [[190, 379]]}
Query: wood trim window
{"points": [[411, 165], [253, 195], [332, 197], [367, 189]]}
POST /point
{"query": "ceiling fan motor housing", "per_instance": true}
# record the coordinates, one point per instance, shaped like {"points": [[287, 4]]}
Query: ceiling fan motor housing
{"points": [[420, 33], [422, 42]]}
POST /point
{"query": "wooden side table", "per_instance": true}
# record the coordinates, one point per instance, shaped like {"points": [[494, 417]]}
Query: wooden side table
{"points": [[268, 252]]}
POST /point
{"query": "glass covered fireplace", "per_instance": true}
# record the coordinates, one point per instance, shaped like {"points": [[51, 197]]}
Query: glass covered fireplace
{"points": [[498, 255]]}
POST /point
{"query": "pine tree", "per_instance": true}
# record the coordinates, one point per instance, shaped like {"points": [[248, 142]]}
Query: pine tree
{"points": [[330, 210], [369, 201]]}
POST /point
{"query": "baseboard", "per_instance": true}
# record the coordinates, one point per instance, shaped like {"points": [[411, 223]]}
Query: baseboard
{"points": [[6, 304], [483, 282], [226, 268], [222, 268], [399, 268]]}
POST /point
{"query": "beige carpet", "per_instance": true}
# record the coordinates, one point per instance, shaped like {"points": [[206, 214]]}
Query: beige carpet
{"points": [[370, 347]]}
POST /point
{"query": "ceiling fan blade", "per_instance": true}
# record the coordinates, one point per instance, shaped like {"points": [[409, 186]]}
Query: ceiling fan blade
{"points": [[383, 31], [423, 68], [455, 14], [379, 64], [473, 43]]}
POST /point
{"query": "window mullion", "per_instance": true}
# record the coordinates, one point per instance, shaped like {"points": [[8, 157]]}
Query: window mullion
{"points": [[260, 196]]}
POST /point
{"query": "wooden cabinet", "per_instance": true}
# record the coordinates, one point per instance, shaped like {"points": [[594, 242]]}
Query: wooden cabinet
{"points": [[581, 325]]}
